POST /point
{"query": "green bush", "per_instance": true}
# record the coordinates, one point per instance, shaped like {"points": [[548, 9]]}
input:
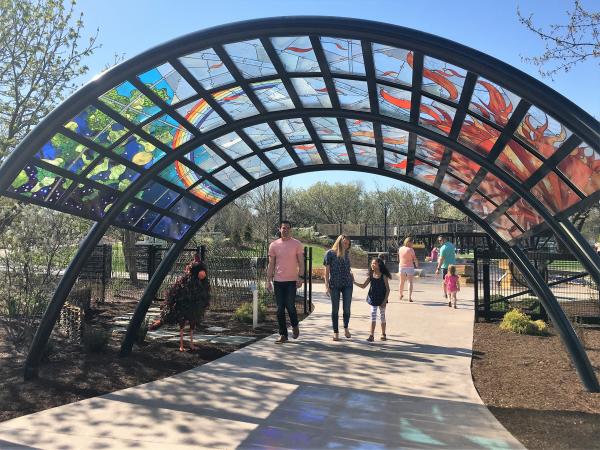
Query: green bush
{"points": [[518, 322], [244, 312], [541, 327], [95, 339]]}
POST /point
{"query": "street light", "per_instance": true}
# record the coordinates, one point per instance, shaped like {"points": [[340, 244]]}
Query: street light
{"points": [[385, 213]]}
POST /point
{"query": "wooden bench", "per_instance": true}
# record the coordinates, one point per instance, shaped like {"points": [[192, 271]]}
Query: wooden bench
{"points": [[465, 273]]}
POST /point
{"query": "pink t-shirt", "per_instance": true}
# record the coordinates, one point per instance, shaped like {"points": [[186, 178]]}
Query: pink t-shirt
{"points": [[406, 256], [451, 282], [286, 258]]}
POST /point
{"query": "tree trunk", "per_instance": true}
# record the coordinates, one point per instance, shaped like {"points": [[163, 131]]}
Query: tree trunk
{"points": [[129, 240]]}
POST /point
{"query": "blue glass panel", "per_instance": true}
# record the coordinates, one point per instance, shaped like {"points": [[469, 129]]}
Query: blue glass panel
{"points": [[208, 192], [157, 194], [147, 220], [424, 172], [327, 128], [353, 94], [361, 131], [394, 102], [39, 184], [131, 214], [294, 130], [308, 154], [205, 158], [167, 83], [170, 228], [393, 64], [443, 79], [129, 102], [207, 68], [112, 174], [236, 103], [394, 138], [280, 158], [255, 167], [201, 115], [337, 153], [394, 162], [365, 156], [296, 53], [67, 154], [233, 145], [97, 126], [343, 55], [453, 187], [273, 95], [436, 116], [168, 131], [89, 202], [312, 92], [188, 208], [493, 102], [250, 58], [139, 152], [262, 135], [231, 178], [179, 174]]}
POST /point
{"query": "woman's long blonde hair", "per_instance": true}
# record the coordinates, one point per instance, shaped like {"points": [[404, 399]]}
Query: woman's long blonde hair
{"points": [[407, 241], [338, 246]]}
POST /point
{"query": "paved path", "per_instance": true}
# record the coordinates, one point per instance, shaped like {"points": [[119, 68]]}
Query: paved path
{"points": [[413, 391]]}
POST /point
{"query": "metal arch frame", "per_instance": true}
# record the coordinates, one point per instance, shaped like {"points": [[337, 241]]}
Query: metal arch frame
{"points": [[573, 344], [529, 89]]}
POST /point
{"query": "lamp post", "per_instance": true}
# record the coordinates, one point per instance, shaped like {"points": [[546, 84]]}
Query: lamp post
{"points": [[385, 213]]}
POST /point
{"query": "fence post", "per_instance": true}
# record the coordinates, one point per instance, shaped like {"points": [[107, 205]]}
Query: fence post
{"points": [[304, 284], [310, 261], [476, 282], [105, 261], [151, 259], [202, 252], [486, 288]]}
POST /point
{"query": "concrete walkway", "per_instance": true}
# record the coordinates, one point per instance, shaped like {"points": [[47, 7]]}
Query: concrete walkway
{"points": [[413, 391]]}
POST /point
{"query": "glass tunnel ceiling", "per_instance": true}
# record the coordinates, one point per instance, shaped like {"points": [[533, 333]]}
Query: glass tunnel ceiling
{"points": [[222, 117]]}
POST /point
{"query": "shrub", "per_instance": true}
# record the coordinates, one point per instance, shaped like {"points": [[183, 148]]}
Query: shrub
{"points": [[95, 339], [541, 327], [519, 322], [244, 313]]}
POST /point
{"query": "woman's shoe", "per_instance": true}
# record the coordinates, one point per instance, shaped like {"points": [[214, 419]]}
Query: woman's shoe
{"points": [[347, 333], [383, 337], [410, 300], [336, 337], [450, 304], [370, 338]]}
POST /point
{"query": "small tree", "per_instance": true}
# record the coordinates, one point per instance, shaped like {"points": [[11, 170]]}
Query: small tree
{"points": [[248, 233]]}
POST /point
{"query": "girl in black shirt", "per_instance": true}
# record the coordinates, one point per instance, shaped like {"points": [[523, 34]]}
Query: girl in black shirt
{"points": [[378, 294]]}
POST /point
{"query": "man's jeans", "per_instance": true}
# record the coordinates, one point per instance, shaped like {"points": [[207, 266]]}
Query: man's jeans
{"points": [[285, 297], [346, 293]]}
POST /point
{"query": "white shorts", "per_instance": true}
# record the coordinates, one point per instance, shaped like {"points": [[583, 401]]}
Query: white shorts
{"points": [[410, 271]]}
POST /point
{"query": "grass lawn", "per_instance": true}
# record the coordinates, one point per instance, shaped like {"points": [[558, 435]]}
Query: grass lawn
{"points": [[318, 254]]}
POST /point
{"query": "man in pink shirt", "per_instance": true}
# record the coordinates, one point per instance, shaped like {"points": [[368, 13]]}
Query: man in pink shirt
{"points": [[284, 275]]}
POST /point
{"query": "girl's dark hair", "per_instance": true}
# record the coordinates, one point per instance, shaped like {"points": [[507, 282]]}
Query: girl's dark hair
{"points": [[382, 268]]}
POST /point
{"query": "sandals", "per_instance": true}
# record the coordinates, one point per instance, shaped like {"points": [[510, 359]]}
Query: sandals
{"points": [[336, 337], [383, 337], [347, 333], [370, 338]]}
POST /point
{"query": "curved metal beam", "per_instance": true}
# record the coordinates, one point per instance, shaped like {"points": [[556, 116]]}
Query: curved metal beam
{"points": [[572, 343]]}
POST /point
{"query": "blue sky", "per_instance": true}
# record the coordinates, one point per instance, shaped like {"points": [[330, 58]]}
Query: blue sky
{"points": [[132, 26]]}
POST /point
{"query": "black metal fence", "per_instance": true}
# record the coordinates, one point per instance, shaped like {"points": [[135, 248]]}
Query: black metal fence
{"points": [[499, 286]]}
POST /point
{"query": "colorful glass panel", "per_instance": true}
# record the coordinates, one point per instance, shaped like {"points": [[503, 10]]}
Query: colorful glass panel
{"points": [[343, 55], [524, 215], [495, 189], [208, 192], [395, 162], [130, 103], [157, 194], [231, 178], [296, 53], [255, 167], [463, 167], [179, 174], [39, 184], [308, 154], [205, 158], [313, 92], [327, 128], [361, 131], [97, 126], [132, 215], [201, 115], [336, 153], [139, 152], [393, 64], [478, 135], [353, 94], [233, 145], [365, 156], [582, 167], [206, 67], [517, 161], [250, 58], [89, 202], [170, 228], [424, 172], [554, 193], [168, 131], [493, 102], [280, 158], [542, 132], [262, 135], [394, 138], [67, 154], [394, 102], [188, 208], [294, 130], [443, 79], [273, 95], [480, 205], [236, 103], [167, 83], [112, 174], [436, 116], [453, 187], [429, 150], [506, 228]]}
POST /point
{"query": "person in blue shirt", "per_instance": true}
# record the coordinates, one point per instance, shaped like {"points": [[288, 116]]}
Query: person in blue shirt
{"points": [[447, 256]]}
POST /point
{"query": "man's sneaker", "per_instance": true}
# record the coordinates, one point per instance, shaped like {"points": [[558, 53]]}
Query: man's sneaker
{"points": [[282, 339], [295, 332]]}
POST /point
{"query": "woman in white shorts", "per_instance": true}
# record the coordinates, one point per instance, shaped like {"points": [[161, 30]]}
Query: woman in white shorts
{"points": [[407, 262]]}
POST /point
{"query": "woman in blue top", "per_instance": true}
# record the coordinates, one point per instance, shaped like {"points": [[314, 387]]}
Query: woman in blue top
{"points": [[338, 280]]}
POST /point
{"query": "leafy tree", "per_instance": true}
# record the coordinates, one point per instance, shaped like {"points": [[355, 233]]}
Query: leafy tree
{"points": [[248, 233]]}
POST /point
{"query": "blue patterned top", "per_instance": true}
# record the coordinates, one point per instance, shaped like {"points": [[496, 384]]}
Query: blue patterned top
{"points": [[339, 269]]}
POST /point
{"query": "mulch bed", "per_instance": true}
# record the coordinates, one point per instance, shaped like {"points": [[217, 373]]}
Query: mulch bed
{"points": [[530, 385]]}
